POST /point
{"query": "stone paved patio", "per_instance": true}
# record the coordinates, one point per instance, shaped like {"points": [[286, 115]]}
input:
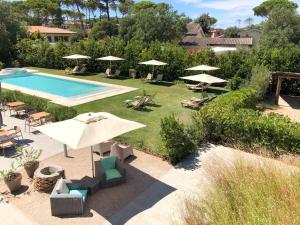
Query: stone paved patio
{"points": [[154, 194], [35, 139]]}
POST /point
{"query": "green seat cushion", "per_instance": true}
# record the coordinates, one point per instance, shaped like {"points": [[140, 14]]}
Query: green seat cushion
{"points": [[109, 162], [83, 193], [112, 174]]}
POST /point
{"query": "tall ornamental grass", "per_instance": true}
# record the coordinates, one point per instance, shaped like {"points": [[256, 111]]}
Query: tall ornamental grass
{"points": [[247, 195]]}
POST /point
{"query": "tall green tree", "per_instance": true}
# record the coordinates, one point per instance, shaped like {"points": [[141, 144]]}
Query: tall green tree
{"points": [[158, 22], [42, 11], [265, 8], [281, 29], [124, 6], [206, 21], [104, 28], [10, 30]]}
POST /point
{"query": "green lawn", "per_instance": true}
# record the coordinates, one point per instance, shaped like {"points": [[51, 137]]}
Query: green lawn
{"points": [[167, 99]]}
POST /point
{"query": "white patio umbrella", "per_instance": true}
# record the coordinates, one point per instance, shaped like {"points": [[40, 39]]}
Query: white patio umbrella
{"points": [[77, 57], [203, 68], [153, 63], [89, 129], [110, 59], [204, 78]]}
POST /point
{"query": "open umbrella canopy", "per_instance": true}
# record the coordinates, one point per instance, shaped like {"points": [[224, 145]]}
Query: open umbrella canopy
{"points": [[76, 56], [154, 63], [88, 129], [203, 68], [204, 78], [110, 58]]}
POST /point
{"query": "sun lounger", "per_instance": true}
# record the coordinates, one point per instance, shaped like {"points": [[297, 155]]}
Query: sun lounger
{"points": [[107, 72], [194, 103], [149, 99], [159, 78], [82, 70], [70, 71], [136, 104], [116, 74], [198, 87], [149, 77]]}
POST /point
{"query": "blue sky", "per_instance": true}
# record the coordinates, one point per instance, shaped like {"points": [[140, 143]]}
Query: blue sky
{"points": [[226, 11]]}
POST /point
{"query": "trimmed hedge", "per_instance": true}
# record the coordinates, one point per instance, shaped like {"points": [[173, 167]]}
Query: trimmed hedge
{"points": [[37, 104], [232, 118]]}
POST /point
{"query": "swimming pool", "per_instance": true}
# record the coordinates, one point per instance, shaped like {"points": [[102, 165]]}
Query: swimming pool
{"points": [[61, 90], [51, 85]]}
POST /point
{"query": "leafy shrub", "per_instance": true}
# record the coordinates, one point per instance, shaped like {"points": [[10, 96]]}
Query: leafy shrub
{"points": [[260, 80], [234, 83], [176, 140], [231, 118], [60, 113], [246, 194]]}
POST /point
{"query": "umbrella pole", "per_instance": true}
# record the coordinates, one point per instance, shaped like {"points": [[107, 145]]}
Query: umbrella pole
{"points": [[153, 71], [92, 158], [65, 150]]}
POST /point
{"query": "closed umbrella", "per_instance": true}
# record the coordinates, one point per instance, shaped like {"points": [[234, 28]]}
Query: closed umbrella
{"points": [[203, 68], [110, 59], [153, 63], [89, 129]]}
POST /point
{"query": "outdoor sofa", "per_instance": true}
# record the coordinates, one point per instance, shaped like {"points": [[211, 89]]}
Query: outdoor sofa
{"points": [[68, 198], [110, 171]]}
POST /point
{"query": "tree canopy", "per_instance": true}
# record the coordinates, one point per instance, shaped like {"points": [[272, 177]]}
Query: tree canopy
{"points": [[281, 29], [206, 21], [265, 8], [150, 21], [10, 30]]}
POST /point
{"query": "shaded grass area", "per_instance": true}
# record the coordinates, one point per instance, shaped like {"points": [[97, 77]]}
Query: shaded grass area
{"points": [[167, 101], [247, 194]]}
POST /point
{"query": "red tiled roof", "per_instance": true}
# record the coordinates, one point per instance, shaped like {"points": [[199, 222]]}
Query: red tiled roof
{"points": [[49, 30]]}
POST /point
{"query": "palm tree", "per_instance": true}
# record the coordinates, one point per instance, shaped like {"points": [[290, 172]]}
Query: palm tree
{"points": [[249, 21], [239, 21]]}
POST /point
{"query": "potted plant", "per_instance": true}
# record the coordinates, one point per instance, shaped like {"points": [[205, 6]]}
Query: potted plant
{"points": [[29, 159], [12, 178]]}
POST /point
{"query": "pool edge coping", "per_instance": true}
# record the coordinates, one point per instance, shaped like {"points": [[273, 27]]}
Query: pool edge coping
{"points": [[72, 101]]}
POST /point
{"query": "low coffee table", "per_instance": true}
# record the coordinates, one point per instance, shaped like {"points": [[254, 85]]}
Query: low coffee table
{"points": [[91, 184]]}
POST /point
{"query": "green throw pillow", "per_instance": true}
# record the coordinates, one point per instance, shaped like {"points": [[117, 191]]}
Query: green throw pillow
{"points": [[112, 174], [109, 162], [83, 193]]}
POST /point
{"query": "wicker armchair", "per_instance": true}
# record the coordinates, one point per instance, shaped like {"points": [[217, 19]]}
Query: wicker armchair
{"points": [[110, 171], [68, 198]]}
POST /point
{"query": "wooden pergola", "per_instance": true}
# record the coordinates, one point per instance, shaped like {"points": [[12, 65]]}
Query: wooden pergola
{"points": [[281, 76]]}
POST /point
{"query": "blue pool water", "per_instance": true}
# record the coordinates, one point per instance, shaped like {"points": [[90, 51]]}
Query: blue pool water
{"points": [[51, 85]]}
